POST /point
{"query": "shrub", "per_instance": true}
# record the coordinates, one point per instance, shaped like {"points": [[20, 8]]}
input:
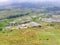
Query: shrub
{"points": [[0, 29]]}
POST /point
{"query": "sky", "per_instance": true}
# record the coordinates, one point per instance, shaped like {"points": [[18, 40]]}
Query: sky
{"points": [[1, 1], [11, 1]]}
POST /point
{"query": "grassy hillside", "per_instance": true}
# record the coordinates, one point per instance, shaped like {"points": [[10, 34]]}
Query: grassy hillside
{"points": [[31, 36]]}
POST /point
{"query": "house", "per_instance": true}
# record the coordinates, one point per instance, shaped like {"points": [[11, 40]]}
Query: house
{"points": [[12, 23], [26, 25], [50, 19], [32, 24], [8, 27]]}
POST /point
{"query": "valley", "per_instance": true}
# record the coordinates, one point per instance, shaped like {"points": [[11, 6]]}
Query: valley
{"points": [[29, 24]]}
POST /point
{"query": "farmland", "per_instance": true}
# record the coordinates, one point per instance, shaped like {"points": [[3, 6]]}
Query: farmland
{"points": [[29, 26], [31, 36], [48, 34]]}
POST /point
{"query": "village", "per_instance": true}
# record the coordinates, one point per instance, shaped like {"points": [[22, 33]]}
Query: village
{"points": [[28, 23], [57, 20]]}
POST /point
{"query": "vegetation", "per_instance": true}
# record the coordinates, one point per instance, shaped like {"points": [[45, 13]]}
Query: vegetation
{"points": [[47, 34], [31, 36]]}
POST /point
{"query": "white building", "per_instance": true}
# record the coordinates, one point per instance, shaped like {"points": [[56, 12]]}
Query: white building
{"points": [[50, 19]]}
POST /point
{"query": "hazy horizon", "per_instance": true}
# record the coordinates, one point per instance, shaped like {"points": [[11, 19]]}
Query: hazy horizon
{"points": [[3, 2]]}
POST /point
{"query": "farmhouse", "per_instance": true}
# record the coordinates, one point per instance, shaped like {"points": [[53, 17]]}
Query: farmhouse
{"points": [[32, 24], [50, 19], [12, 23], [8, 27], [26, 25]]}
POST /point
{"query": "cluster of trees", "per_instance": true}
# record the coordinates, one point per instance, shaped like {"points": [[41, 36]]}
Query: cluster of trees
{"points": [[18, 15], [46, 16]]}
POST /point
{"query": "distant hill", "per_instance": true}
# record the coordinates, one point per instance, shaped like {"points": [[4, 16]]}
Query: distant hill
{"points": [[48, 7]]}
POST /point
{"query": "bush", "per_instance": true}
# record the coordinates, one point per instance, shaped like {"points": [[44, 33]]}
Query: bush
{"points": [[51, 24], [0, 29]]}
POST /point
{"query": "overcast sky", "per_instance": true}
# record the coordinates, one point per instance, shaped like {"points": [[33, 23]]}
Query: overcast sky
{"points": [[28, 0], [33, 1]]}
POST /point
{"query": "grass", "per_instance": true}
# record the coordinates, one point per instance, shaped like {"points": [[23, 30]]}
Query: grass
{"points": [[46, 35], [31, 36]]}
